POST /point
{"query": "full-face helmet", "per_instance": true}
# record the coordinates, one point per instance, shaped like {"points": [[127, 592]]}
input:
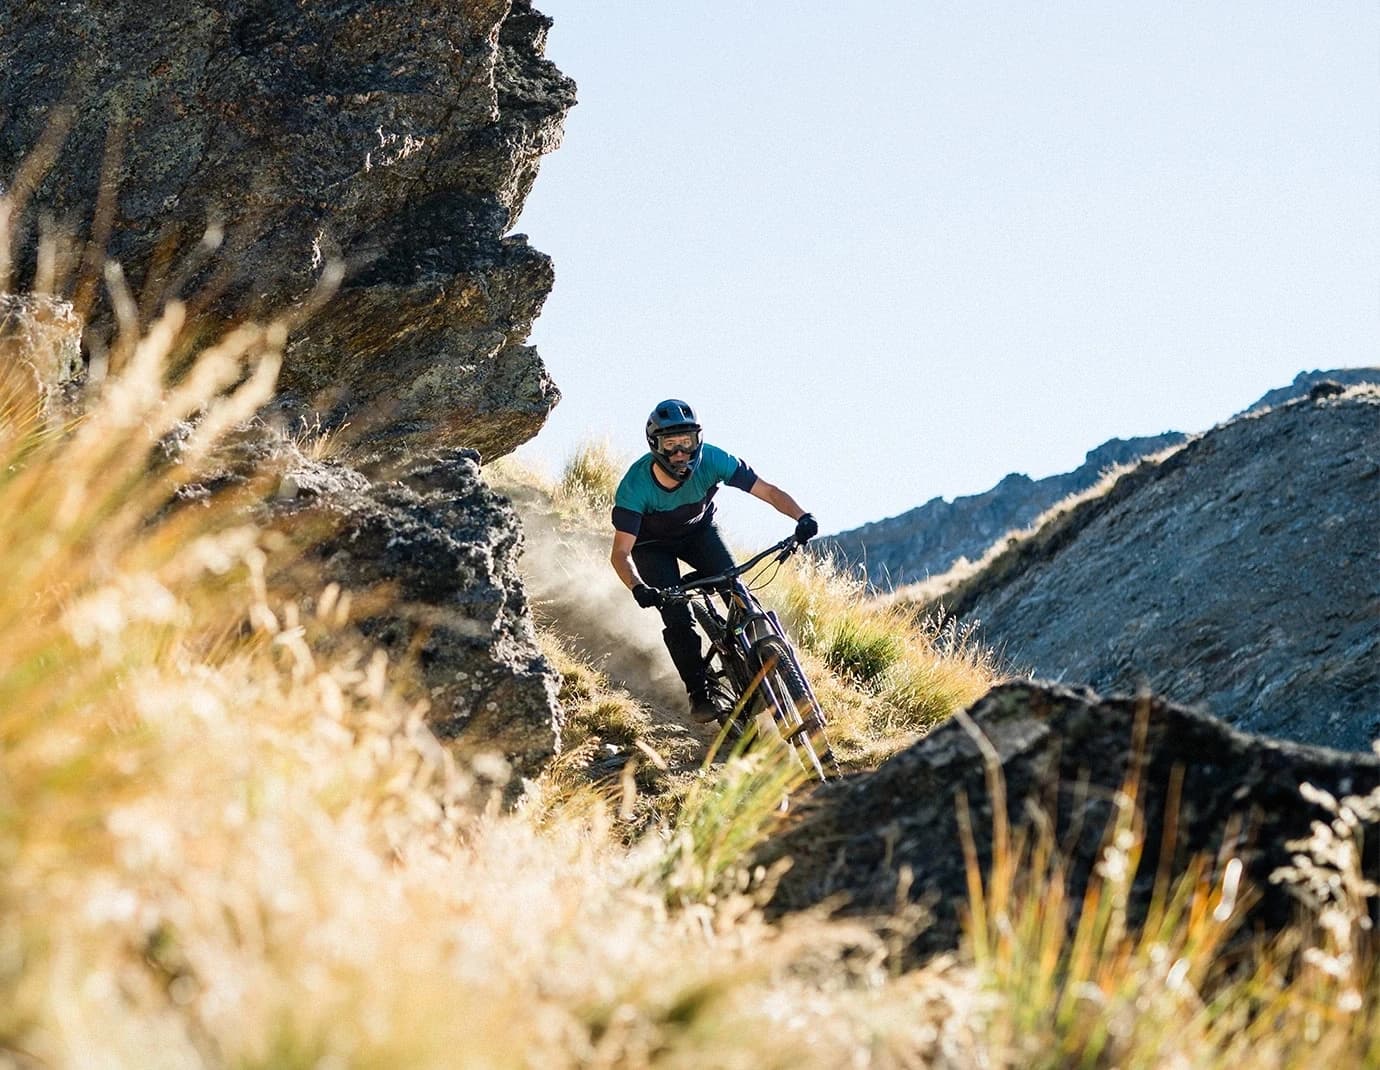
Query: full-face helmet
{"points": [[673, 436]]}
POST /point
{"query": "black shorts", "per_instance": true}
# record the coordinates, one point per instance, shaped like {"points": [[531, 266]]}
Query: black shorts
{"points": [[658, 563]]}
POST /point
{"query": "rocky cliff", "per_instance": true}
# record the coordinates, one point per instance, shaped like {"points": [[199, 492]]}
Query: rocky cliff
{"points": [[929, 539], [1242, 572], [228, 154], [399, 139]]}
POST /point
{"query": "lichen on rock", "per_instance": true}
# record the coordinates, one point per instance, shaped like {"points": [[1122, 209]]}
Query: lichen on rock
{"points": [[226, 154], [399, 139]]}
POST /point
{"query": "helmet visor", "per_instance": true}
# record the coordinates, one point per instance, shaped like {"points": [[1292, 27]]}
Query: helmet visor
{"points": [[678, 442]]}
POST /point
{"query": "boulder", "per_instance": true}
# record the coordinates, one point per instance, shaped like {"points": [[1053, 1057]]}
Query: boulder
{"points": [[431, 556], [399, 139], [1064, 755]]}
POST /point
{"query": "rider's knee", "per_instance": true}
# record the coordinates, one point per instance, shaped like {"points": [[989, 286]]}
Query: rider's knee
{"points": [[677, 618]]}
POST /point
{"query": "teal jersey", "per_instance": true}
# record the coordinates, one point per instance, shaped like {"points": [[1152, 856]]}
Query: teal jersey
{"points": [[643, 507]]}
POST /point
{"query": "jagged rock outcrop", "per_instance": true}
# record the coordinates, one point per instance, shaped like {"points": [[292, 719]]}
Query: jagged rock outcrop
{"points": [[1305, 383], [1064, 754], [441, 549], [1242, 572], [928, 540], [398, 138]]}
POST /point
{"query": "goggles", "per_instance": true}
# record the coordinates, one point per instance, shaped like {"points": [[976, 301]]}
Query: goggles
{"points": [[679, 442]]}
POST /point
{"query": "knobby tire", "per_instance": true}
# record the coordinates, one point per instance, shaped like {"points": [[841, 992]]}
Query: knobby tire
{"points": [[792, 706]]}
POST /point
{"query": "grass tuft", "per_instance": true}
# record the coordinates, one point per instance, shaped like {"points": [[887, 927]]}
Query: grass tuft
{"points": [[885, 673], [1089, 982], [591, 476]]}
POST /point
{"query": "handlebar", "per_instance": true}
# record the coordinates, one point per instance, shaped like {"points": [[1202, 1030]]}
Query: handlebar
{"points": [[683, 591]]}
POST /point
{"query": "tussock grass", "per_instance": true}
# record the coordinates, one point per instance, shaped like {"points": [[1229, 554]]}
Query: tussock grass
{"points": [[594, 709], [721, 818], [591, 476], [1084, 983], [889, 672], [229, 840]]}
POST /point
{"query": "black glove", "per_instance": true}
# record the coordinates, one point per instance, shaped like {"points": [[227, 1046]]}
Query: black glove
{"points": [[647, 597], [806, 528]]}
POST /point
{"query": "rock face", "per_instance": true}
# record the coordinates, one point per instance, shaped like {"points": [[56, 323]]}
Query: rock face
{"points": [[1242, 572], [397, 140], [1063, 754], [928, 540], [442, 549], [400, 139]]}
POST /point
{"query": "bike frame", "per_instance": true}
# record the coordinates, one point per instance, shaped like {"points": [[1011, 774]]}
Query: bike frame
{"points": [[739, 634]]}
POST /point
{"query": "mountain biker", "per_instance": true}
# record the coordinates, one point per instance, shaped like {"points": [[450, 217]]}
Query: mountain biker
{"points": [[663, 513]]}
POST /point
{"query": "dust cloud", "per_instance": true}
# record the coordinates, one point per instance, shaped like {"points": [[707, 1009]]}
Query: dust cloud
{"points": [[573, 589]]}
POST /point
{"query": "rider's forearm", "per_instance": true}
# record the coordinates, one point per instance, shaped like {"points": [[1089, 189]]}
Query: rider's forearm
{"points": [[778, 499], [627, 571], [788, 506]]}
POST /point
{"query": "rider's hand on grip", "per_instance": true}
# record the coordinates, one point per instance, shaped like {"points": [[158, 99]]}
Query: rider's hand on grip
{"points": [[647, 597], [806, 528]]}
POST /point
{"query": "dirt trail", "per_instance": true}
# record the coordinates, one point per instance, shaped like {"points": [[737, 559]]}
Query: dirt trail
{"points": [[574, 590]]}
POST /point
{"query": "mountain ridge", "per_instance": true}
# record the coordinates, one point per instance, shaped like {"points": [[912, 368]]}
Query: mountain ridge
{"points": [[1238, 573], [931, 538]]}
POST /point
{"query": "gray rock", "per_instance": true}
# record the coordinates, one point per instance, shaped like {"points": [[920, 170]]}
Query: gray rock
{"points": [[443, 549], [1242, 573], [1063, 755], [929, 539], [399, 138]]}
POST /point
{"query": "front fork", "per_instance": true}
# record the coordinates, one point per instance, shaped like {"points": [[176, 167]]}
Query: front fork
{"points": [[765, 623]]}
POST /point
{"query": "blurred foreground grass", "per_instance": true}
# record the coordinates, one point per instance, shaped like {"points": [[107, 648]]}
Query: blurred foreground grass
{"points": [[224, 845], [228, 839]]}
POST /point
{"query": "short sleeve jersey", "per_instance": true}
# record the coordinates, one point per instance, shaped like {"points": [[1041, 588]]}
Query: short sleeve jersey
{"points": [[643, 507]]}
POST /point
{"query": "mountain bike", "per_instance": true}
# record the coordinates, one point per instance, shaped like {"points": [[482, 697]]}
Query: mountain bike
{"points": [[751, 665]]}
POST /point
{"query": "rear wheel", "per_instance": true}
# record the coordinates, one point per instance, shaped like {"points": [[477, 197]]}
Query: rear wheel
{"points": [[727, 699], [792, 705]]}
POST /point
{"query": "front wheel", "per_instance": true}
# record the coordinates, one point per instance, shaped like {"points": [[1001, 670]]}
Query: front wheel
{"points": [[792, 705]]}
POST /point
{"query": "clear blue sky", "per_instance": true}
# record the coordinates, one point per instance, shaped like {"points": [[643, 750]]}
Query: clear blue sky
{"points": [[894, 250]]}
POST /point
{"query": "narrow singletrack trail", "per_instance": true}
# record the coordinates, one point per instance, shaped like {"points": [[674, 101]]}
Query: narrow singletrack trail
{"points": [[574, 591]]}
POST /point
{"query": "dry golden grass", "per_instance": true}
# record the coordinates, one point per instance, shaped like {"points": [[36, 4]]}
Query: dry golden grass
{"points": [[1078, 983], [225, 846], [591, 476], [227, 840]]}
